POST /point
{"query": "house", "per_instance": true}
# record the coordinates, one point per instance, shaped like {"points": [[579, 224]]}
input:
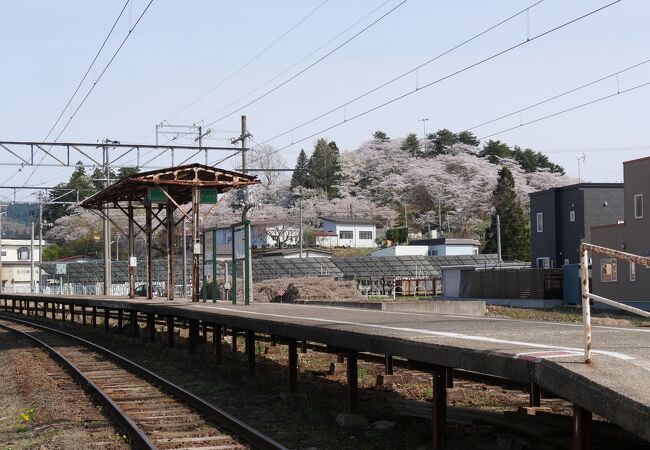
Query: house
{"points": [[448, 246], [351, 232], [561, 219], [16, 264], [402, 250], [621, 280]]}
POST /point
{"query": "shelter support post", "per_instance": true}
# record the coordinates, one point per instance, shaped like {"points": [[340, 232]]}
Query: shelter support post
{"points": [[170, 250], [149, 236], [535, 395], [131, 237], [193, 341], [196, 243]]}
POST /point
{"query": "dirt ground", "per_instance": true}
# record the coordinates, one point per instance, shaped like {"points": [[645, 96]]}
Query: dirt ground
{"points": [[42, 408], [568, 314]]}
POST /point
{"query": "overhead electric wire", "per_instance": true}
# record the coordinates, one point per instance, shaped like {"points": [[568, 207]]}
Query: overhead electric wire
{"points": [[399, 77], [573, 108], [319, 60], [457, 72], [92, 88], [562, 94], [92, 63], [250, 61]]}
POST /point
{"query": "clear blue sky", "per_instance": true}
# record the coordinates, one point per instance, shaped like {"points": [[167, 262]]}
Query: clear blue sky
{"points": [[181, 49]]}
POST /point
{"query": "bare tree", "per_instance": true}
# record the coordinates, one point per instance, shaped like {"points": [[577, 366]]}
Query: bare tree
{"points": [[266, 158], [282, 233]]}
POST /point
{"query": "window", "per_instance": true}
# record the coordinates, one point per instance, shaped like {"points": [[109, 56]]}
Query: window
{"points": [[632, 271], [4, 253], [572, 216], [566, 261], [608, 270], [475, 252], [365, 234], [638, 206], [23, 253], [540, 222], [346, 235], [544, 263]]}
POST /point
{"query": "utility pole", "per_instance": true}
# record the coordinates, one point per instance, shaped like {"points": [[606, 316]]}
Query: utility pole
{"points": [[499, 239], [184, 257], [424, 132], [32, 286], [108, 282], [440, 215], [580, 158], [300, 207], [117, 246], [40, 244], [248, 265], [406, 224]]}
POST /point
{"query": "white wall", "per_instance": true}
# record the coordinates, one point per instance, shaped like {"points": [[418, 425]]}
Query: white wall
{"points": [[453, 250], [402, 250], [355, 241]]}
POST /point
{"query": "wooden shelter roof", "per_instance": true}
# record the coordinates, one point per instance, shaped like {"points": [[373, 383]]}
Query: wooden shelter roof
{"points": [[177, 181]]}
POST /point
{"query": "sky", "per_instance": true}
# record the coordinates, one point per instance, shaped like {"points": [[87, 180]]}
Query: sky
{"points": [[179, 51]]}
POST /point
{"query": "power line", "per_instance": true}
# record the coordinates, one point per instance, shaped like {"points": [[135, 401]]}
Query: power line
{"points": [[250, 61], [555, 97], [399, 77], [573, 108], [92, 63], [450, 75], [92, 88], [296, 75]]}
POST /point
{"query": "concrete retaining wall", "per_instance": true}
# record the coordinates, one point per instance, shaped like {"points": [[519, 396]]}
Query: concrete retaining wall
{"points": [[474, 308]]}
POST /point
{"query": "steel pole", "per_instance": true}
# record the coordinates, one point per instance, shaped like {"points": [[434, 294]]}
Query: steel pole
{"points": [[586, 310], [32, 286], [40, 245], [499, 239], [184, 257], [301, 231], [2, 285], [248, 266]]}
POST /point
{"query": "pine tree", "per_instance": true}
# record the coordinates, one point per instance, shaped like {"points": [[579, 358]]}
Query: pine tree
{"points": [[324, 168], [411, 144], [467, 137], [515, 229], [380, 136], [300, 173]]}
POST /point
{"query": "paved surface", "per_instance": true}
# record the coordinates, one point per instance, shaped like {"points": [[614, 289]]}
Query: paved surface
{"points": [[615, 386]]}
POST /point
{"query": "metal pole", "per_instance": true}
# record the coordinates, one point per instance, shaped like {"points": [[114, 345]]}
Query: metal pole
{"points": [[40, 245], [184, 257], [196, 243], [248, 269], [586, 312], [32, 286], [499, 239], [170, 250], [440, 216], [301, 233], [133, 263], [107, 234]]}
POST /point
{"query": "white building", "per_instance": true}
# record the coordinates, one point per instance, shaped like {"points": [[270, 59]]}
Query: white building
{"points": [[346, 232], [449, 246], [432, 247], [16, 264]]}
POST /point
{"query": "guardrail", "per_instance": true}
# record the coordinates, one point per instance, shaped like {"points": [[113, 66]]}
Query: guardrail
{"points": [[586, 295]]}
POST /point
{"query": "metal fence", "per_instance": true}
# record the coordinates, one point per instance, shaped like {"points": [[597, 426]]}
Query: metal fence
{"points": [[517, 284]]}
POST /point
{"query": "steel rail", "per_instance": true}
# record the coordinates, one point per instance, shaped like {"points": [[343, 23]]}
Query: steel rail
{"points": [[138, 438], [239, 428]]}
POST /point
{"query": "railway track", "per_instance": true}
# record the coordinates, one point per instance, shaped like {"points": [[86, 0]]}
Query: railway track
{"points": [[153, 412]]}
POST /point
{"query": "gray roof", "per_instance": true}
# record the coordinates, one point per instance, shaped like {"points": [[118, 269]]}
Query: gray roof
{"points": [[341, 219]]}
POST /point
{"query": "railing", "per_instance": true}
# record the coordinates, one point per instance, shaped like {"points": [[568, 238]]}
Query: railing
{"points": [[586, 295]]}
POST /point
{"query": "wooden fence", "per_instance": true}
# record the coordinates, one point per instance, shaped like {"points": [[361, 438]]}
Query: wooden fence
{"points": [[521, 283]]}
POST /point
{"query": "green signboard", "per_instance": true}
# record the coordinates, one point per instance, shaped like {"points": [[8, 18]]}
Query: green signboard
{"points": [[208, 196]]}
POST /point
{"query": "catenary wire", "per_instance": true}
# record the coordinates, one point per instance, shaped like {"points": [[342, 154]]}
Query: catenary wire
{"points": [[319, 60], [93, 85], [450, 75], [399, 77]]}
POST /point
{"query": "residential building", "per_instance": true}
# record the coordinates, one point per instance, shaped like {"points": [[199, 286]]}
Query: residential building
{"points": [[16, 264], [561, 219], [620, 280], [448, 246], [351, 232]]}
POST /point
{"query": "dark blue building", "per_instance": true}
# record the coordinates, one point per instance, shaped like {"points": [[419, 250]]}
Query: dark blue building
{"points": [[561, 219]]}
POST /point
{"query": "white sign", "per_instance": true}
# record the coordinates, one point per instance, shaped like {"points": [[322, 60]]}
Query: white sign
{"points": [[133, 261], [61, 269], [197, 248]]}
